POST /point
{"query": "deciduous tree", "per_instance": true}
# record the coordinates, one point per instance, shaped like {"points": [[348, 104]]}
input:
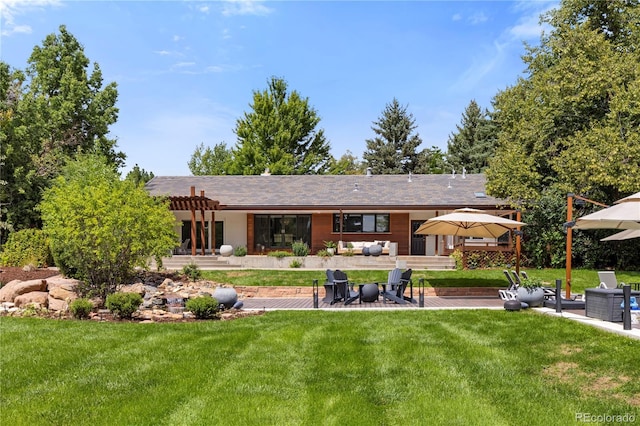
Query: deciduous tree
{"points": [[212, 162], [280, 134], [101, 227]]}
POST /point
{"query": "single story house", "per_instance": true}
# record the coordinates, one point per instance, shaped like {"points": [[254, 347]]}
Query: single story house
{"points": [[270, 212]]}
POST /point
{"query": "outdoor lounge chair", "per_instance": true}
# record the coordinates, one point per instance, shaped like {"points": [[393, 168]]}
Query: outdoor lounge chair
{"points": [[608, 280], [183, 247], [511, 293], [342, 288], [329, 287], [393, 287]]}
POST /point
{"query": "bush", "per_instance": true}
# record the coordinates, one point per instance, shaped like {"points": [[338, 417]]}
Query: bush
{"points": [[240, 251], [26, 247], [323, 253], [192, 271], [295, 263], [300, 248], [81, 308], [100, 228], [123, 305], [203, 307], [457, 257], [279, 254]]}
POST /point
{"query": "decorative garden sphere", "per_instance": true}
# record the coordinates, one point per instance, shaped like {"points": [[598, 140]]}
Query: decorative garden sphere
{"points": [[226, 296], [365, 251], [375, 250], [226, 250], [369, 292]]}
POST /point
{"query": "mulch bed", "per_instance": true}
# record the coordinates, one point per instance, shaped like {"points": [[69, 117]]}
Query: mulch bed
{"points": [[10, 273]]}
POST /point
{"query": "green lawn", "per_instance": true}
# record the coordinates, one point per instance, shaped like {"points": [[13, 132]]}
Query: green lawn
{"points": [[471, 278], [466, 367]]}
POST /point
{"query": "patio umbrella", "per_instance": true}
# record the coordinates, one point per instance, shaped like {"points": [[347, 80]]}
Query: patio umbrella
{"points": [[624, 214], [468, 223], [624, 235]]}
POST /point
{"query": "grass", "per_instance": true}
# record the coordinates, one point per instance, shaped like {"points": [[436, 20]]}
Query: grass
{"points": [[475, 367], [581, 278]]}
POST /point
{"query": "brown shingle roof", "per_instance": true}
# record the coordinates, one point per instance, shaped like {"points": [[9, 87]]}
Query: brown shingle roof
{"points": [[330, 192]]}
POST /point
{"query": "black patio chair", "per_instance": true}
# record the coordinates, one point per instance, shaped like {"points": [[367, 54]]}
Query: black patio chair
{"points": [[343, 289], [392, 287]]}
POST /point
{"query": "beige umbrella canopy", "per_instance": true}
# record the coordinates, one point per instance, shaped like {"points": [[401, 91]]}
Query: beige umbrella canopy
{"points": [[468, 223], [624, 235], [624, 214]]}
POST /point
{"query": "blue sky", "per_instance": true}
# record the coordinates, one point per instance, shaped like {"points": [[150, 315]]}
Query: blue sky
{"points": [[186, 70]]}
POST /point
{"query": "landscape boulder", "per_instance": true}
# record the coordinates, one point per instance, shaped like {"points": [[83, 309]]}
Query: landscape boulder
{"points": [[36, 297], [15, 288]]}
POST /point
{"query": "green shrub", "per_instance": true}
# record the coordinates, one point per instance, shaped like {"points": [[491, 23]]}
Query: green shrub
{"points": [[123, 305], [240, 251], [80, 308], [323, 253], [300, 248], [457, 257], [295, 263], [203, 307], [26, 247], [101, 228], [279, 254], [192, 271]]}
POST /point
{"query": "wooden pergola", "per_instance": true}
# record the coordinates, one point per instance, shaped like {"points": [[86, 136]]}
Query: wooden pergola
{"points": [[193, 203]]}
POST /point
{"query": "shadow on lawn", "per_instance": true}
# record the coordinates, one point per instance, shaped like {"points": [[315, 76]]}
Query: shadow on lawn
{"points": [[466, 282]]}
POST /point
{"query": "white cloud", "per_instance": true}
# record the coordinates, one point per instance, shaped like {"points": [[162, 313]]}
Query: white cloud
{"points": [[477, 18], [526, 27], [204, 9], [177, 38], [244, 7], [10, 10], [456, 17], [162, 52]]}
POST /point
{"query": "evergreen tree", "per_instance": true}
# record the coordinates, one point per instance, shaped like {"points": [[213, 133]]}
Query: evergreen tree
{"points": [[393, 150], [210, 162], [139, 176], [474, 142], [280, 135]]}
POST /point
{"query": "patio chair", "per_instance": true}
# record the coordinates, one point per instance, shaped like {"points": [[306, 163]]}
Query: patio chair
{"points": [[550, 292], [343, 289], [183, 247], [329, 287], [393, 285], [511, 293], [405, 280], [608, 280]]}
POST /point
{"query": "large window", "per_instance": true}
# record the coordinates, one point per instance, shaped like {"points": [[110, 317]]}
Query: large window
{"points": [[361, 222], [280, 231]]}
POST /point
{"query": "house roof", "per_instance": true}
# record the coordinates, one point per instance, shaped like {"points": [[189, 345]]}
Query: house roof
{"points": [[332, 192]]}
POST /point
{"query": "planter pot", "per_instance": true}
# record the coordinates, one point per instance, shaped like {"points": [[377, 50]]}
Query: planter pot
{"points": [[226, 250], [331, 251], [531, 296]]}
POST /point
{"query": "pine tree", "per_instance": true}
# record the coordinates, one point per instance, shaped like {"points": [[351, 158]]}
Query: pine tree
{"points": [[474, 142], [393, 150]]}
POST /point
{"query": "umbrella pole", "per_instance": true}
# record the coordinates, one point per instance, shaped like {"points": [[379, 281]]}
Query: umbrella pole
{"points": [[518, 217], [569, 243]]}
